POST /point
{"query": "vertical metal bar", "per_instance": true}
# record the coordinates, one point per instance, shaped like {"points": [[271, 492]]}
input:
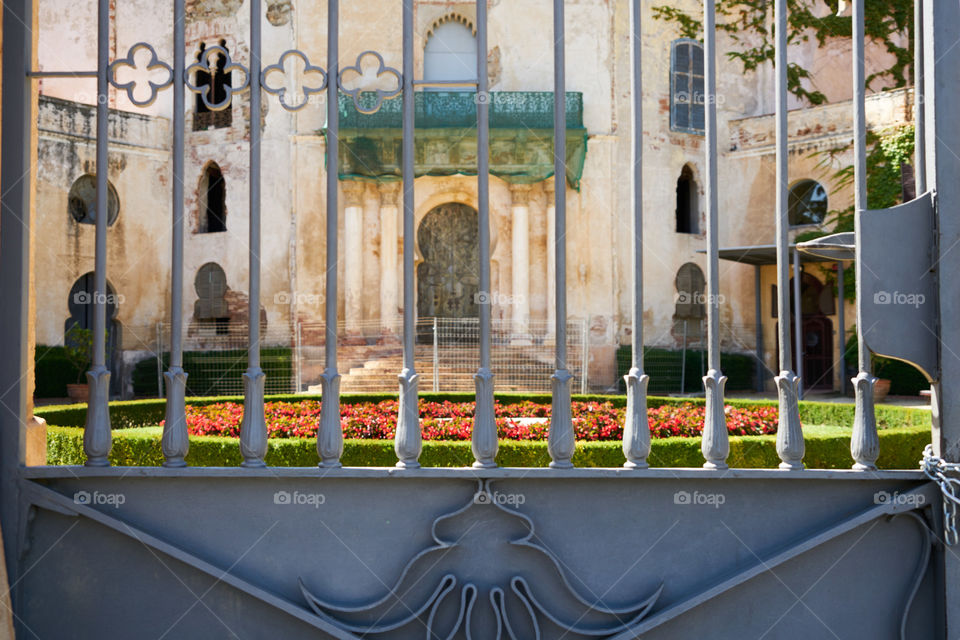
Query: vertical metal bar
{"points": [[560, 440], [330, 433], [408, 443], [758, 323], [436, 357], [798, 320], [842, 327], [253, 428], [715, 445], [175, 442], [919, 109], [585, 356], [484, 440], [159, 352], [790, 444], [299, 380], [683, 360], [636, 430], [865, 442], [941, 88], [97, 437], [16, 191]]}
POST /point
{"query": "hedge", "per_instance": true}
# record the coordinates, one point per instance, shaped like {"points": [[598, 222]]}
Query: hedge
{"points": [[900, 448], [147, 413], [53, 371], [905, 379], [740, 369], [213, 372]]}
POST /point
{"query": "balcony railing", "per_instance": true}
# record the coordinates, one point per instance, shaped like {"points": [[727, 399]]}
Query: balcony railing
{"points": [[458, 109]]}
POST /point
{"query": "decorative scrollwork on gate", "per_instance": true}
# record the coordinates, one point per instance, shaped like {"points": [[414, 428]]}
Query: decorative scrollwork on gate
{"points": [[509, 586], [206, 90], [305, 90], [154, 64], [381, 94]]}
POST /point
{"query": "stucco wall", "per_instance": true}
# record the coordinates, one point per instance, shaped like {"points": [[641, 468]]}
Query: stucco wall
{"points": [[293, 180]]}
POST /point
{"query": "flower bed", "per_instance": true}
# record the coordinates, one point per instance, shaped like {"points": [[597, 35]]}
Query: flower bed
{"points": [[597, 421]]}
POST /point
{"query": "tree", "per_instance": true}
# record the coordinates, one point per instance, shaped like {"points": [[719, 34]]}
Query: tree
{"points": [[746, 20]]}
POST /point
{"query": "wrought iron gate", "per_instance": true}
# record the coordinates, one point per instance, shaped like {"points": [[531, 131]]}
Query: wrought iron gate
{"points": [[485, 552]]}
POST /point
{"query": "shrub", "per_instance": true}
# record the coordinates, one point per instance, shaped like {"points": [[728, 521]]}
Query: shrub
{"points": [[740, 370], [216, 372], [905, 379], [900, 448], [53, 371], [146, 413], [454, 420]]}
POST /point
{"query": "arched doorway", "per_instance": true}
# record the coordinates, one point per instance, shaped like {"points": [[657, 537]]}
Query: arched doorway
{"points": [[447, 280], [816, 305], [81, 306]]}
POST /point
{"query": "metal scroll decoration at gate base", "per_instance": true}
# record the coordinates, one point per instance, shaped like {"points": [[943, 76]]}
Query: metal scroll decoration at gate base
{"points": [[379, 94], [153, 64], [485, 548], [305, 91], [205, 90]]}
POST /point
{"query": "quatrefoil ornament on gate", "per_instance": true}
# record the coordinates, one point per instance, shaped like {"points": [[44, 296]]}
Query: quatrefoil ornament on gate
{"points": [[305, 90], [205, 90], [382, 94], [154, 65]]}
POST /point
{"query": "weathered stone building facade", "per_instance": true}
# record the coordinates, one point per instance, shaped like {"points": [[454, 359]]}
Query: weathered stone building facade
{"points": [[521, 196]]}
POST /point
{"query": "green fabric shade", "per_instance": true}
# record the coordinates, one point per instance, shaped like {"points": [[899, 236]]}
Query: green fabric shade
{"points": [[521, 137]]}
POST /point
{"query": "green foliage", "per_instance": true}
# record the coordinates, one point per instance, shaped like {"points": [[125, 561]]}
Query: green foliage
{"points": [[905, 379], [78, 348], [886, 156], [213, 372], [900, 449], [740, 369], [148, 413], [744, 20], [53, 371]]}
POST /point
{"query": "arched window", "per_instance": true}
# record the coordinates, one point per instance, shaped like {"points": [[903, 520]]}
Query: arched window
{"points": [[688, 202], [82, 201], [211, 305], [686, 87], [690, 285], [451, 52], [212, 200], [807, 203], [203, 117]]}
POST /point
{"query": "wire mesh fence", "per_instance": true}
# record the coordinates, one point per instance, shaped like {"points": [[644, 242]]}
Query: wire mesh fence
{"points": [[446, 356], [370, 356]]}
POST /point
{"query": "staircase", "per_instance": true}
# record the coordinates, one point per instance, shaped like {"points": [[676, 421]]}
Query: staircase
{"points": [[374, 368]]}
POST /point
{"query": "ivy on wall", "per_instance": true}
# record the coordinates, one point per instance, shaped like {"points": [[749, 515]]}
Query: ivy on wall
{"points": [[743, 20]]}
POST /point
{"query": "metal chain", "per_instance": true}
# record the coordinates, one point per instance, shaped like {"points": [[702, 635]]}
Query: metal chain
{"points": [[937, 469]]}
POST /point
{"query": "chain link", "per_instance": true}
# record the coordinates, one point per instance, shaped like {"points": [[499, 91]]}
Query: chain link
{"points": [[937, 469]]}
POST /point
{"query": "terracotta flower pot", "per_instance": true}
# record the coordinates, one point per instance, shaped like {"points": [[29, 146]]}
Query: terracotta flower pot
{"points": [[78, 392], [880, 390]]}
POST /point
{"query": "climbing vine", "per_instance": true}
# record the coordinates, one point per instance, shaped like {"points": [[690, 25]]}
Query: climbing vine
{"points": [[744, 20], [886, 156]]}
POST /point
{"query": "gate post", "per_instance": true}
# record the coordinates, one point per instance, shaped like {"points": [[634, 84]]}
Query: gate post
{"points": [[16, 186], [941, 92]]}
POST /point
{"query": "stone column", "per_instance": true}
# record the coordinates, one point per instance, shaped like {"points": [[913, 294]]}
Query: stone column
{"points": [[389, 294], [549, 190], [520, 194], [353, 254], [370, 233]]}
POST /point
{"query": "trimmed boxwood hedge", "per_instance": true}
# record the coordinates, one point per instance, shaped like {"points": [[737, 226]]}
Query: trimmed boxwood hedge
{"points": [[53, 371], [148, 413], [740, 369], [900, 448], [211, 372]]}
